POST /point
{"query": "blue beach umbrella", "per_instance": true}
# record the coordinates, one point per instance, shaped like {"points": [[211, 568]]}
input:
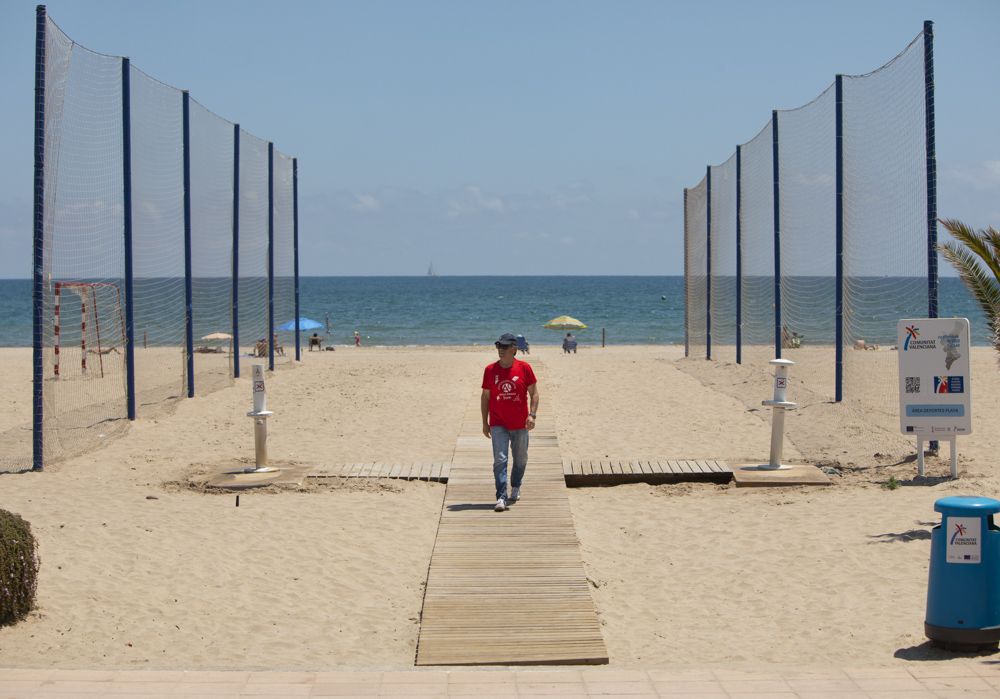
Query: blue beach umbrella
{"points": [[304, 324]]}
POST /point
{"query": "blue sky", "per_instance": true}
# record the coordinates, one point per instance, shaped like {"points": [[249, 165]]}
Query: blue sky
{"points": [[518, 137]]}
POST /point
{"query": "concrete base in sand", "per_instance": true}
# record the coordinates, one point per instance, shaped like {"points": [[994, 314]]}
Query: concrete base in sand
{"points": [[753, 475], [237, 479]]}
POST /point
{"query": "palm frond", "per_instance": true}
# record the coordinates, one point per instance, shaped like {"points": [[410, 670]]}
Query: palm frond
{"points": [[983, 287], [971, 251], [992, 236], [985, 243], [996, 334]]}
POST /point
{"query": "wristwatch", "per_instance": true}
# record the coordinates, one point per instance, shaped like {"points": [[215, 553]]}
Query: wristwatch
{"points": [[532, 415]]}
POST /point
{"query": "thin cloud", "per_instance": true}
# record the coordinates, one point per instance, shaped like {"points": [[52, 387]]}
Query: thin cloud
{"points": [[366, 203], [474, 201], [983, 176]]}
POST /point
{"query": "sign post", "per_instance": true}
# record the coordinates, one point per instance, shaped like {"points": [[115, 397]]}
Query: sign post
{"points": [[260, 413], [935, 391]]}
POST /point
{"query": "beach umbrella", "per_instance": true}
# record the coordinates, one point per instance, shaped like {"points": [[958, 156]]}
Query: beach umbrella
{"points": [[218, 336], [304, 324], [565, 323]]}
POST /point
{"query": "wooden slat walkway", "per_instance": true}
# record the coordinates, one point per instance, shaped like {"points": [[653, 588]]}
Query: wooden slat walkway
{"points": [[507, 587], [415, 471], [593, 472]]}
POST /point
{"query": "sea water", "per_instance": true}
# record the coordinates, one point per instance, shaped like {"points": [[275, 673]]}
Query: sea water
{"points": [[476, 310]]}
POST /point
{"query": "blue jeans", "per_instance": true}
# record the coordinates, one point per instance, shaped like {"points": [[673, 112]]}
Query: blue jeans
{"points": [[507, 442]]}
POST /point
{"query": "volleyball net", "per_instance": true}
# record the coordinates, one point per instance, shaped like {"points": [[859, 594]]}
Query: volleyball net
{"points": [[165, 249], [822, 233]]}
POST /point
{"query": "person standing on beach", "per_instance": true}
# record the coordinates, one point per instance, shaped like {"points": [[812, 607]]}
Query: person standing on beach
{"points": [[508, 385], [357, 339]]}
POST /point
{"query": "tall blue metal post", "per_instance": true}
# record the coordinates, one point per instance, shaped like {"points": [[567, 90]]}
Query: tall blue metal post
{"points": [[687, 272], [708, 262], [270, 256], [739, 259], [777, 235], [931, 157], [236, 251], [188, 292], [295, 253], [127, 215], [839, 257], [38, 252]]}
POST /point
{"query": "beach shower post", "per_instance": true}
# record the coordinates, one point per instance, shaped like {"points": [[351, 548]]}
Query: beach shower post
{"points": [[779, 405], [260, 413]]}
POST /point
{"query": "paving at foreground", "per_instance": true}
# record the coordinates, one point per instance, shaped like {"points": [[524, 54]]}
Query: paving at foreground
{"points": [[904, 681]]}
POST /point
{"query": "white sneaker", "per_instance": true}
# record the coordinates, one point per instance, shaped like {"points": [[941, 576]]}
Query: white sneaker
{"points": [[515, 494], [501, 505]]}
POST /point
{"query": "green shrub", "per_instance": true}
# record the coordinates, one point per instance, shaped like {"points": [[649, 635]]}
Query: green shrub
{"points": [[18, 568]]}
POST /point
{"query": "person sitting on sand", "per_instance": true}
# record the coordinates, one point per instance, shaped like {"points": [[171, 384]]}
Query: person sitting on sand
{"points": [[569, 343], [790, 339], [315, 341]]}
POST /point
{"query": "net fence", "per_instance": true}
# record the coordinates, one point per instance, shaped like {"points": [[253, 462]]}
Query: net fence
{"points": [[723, 277], [884, 204], [807, 191], [83, 220], [885, 221], [98, 167], [157, 240], [757, 246], [695, 269], [212, 144], [252, 260], [284, 258]]}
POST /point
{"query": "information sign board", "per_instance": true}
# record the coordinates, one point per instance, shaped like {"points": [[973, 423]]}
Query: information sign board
{"points": [[935, 391]]}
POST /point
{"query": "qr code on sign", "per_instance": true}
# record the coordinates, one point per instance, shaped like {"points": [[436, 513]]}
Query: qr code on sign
{"points": [[913, 384]]}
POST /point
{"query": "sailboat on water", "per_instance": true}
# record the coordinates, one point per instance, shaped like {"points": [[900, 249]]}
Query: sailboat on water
{"points": [[430, 270]]}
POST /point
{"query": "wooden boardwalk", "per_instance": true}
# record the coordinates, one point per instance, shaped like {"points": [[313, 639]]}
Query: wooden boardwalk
{"points": [[576, 473], [416, 471], [591, 472], [507, 588]]}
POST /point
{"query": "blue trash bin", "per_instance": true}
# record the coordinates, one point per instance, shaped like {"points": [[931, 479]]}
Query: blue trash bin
{"points": [[963, 588]]}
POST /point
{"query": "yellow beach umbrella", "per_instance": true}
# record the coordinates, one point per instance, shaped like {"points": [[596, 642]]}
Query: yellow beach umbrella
{"points": [[565, 323]]}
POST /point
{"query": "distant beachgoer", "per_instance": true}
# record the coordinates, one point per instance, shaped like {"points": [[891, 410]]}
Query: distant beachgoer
{"points": [[790, 339], [315, 341], [357, 339], [569, 343], [522, 345], [507, 386]]}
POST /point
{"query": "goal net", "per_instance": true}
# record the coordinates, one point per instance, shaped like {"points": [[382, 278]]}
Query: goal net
{"points": [[85, 387]]}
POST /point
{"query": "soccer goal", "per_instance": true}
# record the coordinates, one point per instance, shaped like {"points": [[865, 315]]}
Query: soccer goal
{"points": [[94, 302]]}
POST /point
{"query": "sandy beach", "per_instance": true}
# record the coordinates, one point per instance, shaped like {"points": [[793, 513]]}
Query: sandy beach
{"points": [[140, 570]]}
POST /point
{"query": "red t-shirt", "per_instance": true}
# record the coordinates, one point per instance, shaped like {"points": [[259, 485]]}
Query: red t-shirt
{"points": [[508, 393]]}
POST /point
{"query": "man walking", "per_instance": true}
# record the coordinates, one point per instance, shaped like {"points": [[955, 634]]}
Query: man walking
{"points": [[507, 386]]}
